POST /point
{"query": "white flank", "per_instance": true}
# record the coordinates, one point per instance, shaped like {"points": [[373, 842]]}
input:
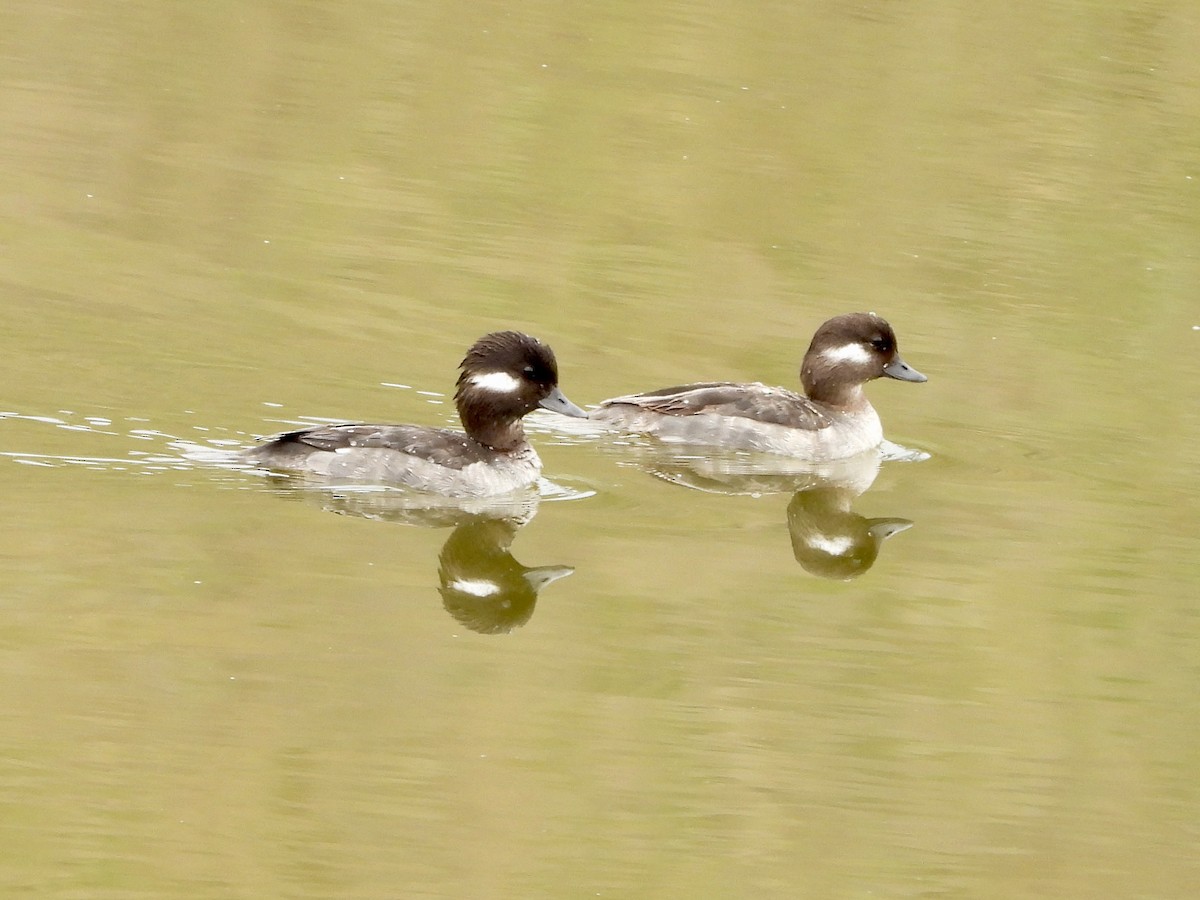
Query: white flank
{"points": [[855, 353], [475, 587], [500, 382]]}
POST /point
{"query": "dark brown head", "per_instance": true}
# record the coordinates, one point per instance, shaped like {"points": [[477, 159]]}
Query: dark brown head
{"points": [[846, 353], [506, 375]]}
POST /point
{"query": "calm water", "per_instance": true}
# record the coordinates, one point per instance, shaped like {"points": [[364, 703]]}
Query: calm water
{"points": [[220, 218]]}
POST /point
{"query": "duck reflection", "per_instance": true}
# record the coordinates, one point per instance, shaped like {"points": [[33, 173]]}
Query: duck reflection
{"points": [[829, 539], [481, 584]]}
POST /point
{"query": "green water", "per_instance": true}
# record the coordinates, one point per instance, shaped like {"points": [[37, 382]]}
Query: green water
{"points": [[221, 218]]}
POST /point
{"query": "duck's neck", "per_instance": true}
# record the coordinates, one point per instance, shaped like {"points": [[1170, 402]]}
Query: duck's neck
{"points": [[849, 397], [482, 425]]}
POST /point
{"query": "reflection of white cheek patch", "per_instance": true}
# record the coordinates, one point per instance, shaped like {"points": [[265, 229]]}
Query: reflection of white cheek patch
{"points": [[474, 587], [852, 353], [500, 382], [835, 546]]}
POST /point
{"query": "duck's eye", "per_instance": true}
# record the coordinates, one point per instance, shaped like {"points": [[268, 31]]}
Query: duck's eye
{"points": [[881, 344], [528, 371]]}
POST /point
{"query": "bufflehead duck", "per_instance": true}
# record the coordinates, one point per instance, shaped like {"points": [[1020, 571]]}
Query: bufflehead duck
{"points": [[504, 376], [832, 419]]}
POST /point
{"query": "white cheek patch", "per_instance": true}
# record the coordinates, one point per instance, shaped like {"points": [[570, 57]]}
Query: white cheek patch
{"points": [[475, 587], [848, 353], [835, 546], [499, 382]]}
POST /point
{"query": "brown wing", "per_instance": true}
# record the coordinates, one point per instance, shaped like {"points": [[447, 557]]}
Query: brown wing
{"points": [[438, 445], [751, 401]]}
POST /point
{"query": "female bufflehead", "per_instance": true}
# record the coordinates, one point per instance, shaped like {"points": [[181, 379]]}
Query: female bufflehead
{"points": [[504, 376], [832, 420]]}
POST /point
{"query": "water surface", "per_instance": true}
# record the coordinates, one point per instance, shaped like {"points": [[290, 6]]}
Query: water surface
{"points": [[222, 220]]}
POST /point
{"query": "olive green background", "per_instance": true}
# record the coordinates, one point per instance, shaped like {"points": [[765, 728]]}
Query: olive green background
{"points": [[216, 218]]}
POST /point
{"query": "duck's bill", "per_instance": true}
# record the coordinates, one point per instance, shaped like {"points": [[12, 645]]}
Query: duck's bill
{"points": [[902, 371], [557, 402], [882, 529], [541, 576]]}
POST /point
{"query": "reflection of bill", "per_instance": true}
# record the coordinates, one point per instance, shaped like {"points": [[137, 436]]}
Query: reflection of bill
{"points": [[482, 585]]}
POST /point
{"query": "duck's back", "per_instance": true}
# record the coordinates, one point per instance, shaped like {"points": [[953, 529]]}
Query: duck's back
{"points": [[437, 460], [759, 402], [744, 417]]}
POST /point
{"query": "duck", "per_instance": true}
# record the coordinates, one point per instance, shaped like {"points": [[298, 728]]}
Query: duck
{"points": [[832, 419], [504, 376]]}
